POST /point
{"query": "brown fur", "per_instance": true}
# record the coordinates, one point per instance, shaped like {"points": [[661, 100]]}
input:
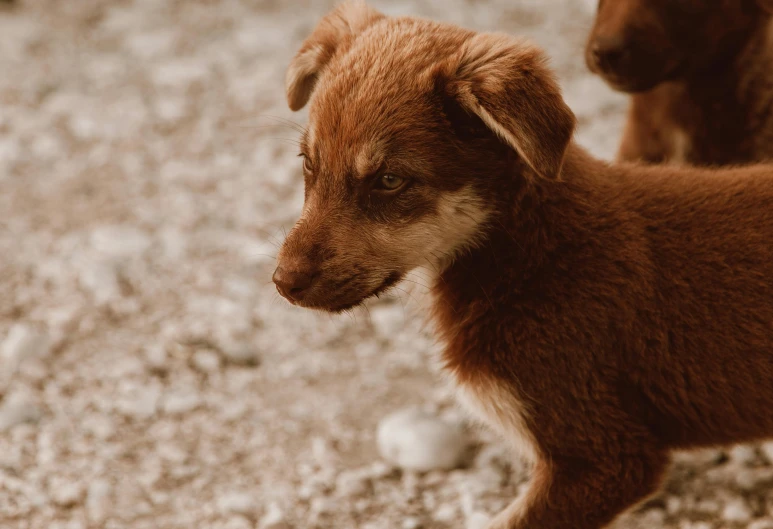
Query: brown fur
{"points": [[598, 316], [700, 73]]}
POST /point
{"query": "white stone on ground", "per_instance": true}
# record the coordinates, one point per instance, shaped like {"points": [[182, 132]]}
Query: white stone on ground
{"points": [[206, 361], [65, 493], [23, 341], [478, 520], [98, 500], [240, 352], [237, 502], [743, 454], [17, 410], [736, 510], [273, 518], [415, 440], [767, 450]]}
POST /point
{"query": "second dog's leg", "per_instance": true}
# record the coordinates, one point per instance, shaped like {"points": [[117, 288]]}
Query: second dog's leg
{"points": [[571, 494]]}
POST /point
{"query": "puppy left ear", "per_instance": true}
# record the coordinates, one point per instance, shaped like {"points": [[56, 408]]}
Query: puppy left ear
{"points": [[507, 84], [334, 32]]}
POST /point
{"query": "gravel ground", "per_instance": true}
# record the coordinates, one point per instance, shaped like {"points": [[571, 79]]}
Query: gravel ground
{"points": [[150, 376]]}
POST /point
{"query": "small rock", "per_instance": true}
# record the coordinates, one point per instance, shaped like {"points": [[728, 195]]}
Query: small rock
{"points": [[767, 450], [352, 484], [388, 319], [206, 361], [156, 358], [23, 341], [18, 411], [273, 518], [66, 495], [674, 505], [415, 440], [743, 454], [737, 511], [478, 520], [98, 500], [760, 524], [179, 403], [240, 353], [411, 523], [141, 403], [237, 503], [120, 241], [446, 513]]}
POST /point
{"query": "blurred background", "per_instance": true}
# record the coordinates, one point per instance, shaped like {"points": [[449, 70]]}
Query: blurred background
{"points": [[150, 376]]}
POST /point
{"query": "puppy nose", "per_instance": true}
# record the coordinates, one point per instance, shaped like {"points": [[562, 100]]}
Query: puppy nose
{"points": [[609, 52], [292, 284]]}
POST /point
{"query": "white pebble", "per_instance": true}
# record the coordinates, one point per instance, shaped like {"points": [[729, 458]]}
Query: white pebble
{"points": [[119, 241], [737, 511], [415, 440], [180, 402], [446, 513], [18, 411], [273, 518], [66, 494], [240, 353], [388, 319], [760, 524], [23, 341], [767, 450], [156, 358], [206, 361], [743, 454], [237, 503], [352, 483], [411, 523], [98, 500], [478, 520]]}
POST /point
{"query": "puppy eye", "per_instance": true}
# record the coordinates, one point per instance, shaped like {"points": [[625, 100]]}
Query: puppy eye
{"points": [[306, 163], [389, 182]]}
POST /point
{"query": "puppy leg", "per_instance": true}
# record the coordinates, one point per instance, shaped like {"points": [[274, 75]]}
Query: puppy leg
{"points": [[572, 494]]}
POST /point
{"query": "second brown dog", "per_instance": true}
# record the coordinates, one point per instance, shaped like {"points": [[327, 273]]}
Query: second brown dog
{"points": [[700, 73]]}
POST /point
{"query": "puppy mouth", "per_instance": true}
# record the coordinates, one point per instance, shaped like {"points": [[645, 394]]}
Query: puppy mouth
{"points": [[337, 304]]}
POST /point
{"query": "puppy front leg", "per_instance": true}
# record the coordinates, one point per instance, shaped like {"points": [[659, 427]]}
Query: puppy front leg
{"points": [[572, 494]]}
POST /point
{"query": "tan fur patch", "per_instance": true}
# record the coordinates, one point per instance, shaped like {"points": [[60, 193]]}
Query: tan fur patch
{"points": [[439, 238], [502, 411]]}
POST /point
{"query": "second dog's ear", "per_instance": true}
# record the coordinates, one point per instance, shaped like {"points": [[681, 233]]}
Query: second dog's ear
{"points": [[337, 29], [507, 84]]}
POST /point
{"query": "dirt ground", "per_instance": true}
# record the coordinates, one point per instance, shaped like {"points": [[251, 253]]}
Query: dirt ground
{"points": [[150, 375]]}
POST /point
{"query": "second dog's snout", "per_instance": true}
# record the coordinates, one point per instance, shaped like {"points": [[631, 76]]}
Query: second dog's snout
{"points": [[292, 284], [609, 53]]}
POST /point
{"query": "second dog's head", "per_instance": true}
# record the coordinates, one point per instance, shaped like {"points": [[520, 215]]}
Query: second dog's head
{"points": [[638, 44], [417, 130]]}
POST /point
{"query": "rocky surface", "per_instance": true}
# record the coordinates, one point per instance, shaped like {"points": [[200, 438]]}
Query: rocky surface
{"points": [[150, 377]]}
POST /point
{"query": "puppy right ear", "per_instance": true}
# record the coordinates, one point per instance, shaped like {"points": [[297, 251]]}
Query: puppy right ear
{"points": [[508, 85], [333, 32]]}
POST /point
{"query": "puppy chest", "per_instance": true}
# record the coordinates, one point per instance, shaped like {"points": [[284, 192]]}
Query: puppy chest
{"points": [[498, 407]]}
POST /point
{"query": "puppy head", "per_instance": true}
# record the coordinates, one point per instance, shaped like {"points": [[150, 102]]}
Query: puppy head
{"points": [[638, 44], [418, 131]]}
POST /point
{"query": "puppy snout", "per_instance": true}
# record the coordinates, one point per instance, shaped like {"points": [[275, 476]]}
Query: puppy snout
{"points": [[610, 53], [293, 283]]}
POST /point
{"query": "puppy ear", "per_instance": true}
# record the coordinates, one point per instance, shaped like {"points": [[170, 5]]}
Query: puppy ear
{"points": [[333, 32], [507, 84]]}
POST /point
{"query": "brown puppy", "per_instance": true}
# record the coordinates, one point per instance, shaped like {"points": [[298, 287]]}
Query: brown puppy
{"points": [[598, 316], [701, 75]]}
